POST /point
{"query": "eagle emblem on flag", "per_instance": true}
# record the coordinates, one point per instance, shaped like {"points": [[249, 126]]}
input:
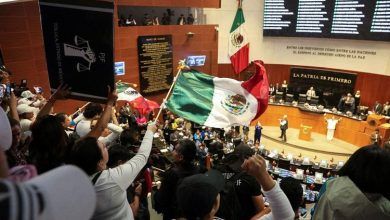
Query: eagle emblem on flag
{"points": [[235, 104]]}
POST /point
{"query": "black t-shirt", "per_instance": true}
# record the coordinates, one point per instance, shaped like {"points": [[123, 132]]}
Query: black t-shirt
{"points": [[246, 188], [165, 197]]}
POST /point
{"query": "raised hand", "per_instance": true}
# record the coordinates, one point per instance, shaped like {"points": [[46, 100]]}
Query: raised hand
{"points": [[112, 96], [152, 127], [62, 92]]}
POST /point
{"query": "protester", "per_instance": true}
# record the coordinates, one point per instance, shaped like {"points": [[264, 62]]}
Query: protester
{"points": [[92, 156], [165, 198], [361, 192], [292, 188], [198, 195], [49, 147], [119, 155], [279, 203], [16, 154], [247, 188]]}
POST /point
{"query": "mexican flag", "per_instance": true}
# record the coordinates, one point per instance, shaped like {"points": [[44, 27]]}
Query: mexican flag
{"points": [[238, 43], [136, 100], [126, 92], [219, 102]]}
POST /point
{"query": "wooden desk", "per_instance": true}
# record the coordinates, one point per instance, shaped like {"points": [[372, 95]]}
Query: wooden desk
{"points": [[305, 133], [349, 130]]}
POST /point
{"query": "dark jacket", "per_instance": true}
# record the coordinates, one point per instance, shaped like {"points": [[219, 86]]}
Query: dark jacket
{"points": [[165, 197], [285, 126]]}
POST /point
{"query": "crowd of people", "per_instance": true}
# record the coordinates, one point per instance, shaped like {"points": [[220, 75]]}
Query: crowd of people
{"points": [[110, 158], [348, 103], [149, 20]]}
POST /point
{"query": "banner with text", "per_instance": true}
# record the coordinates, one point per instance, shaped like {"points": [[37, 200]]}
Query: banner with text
{"points": [[348, 55], [78, 40], [329, 85]]}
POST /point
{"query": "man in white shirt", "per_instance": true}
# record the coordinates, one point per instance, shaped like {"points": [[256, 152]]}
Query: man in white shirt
{"points": [[86, 121], [26, 115], [331, 126], [310, 93]]}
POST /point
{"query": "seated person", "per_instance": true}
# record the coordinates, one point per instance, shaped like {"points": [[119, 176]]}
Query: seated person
{"points": [[310, 93], [340, 105], [349, 104], [386, 109], [378, 108]]}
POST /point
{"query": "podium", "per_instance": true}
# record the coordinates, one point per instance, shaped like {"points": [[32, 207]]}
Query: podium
{"points": [[305, 133], [376, 120], [384, 132]]}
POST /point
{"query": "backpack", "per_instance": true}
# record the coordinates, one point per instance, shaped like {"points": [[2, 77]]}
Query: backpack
{"points": [[230, 207]]}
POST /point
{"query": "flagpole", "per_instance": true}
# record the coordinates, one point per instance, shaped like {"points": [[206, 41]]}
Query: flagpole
{"points": [[181, 66], [120, 81], [79, 110]]}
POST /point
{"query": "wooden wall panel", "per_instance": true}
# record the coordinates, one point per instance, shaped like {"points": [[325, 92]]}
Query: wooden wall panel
{"points": [[373, 87], [204, 42], [172, 3], [21, 42]]}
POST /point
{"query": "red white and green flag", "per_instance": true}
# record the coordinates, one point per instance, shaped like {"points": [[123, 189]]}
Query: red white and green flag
{"points": [[137, 101], [238, 42], [219, 102]]}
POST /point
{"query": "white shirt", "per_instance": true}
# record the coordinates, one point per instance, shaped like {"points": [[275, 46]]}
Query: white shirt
{"points": [[83, 127], [112, 184], [25, 124], [280, 206], [311, 93], [332, 123], [115, 132]]}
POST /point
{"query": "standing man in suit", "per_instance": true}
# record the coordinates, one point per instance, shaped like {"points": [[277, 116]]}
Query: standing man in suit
{"points": [[258, 129], [378, 108], [181, 20], [283, 127]]}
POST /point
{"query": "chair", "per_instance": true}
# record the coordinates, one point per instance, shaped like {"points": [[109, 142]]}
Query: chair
{"points": [[318, 177], [324, 164], [302, 98], [289, 98], [284, 164], [314, 169], [278, 96], [300, 174], [339, 165], [326, 171], [314, 100], [305, 167], [306, 161]]}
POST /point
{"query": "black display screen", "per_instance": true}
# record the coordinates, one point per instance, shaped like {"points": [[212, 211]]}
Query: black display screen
{"points": [[347, 19]]}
